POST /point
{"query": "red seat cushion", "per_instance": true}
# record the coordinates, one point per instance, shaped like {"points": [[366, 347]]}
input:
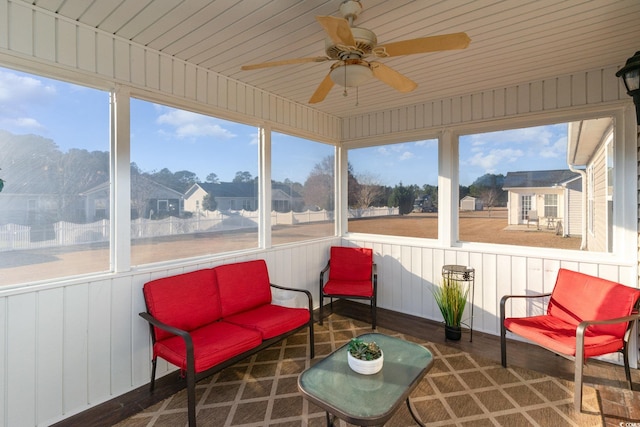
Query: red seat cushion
{"points": [[271, 320], [243, 286], [186, 301], [560, 336], [362, 288], [577, 297], [350, 263], [212, 344]]}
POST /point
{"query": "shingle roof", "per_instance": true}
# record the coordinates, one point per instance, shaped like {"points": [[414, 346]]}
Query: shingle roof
{"points": [[547, 178]]}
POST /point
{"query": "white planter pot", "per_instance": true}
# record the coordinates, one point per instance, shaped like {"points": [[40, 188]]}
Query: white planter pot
{"points": [[366, 367]]}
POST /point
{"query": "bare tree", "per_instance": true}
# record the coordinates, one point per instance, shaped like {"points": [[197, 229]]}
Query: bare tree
{"points": [[368, 190], [489, 197]]}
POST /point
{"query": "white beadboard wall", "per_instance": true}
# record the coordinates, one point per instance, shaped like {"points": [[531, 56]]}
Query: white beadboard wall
{"points": [[559, 93], [66, 347], [407, 274]]}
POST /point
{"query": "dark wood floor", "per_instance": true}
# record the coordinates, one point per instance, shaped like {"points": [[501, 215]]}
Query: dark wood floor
{"points": [[619, 404]]}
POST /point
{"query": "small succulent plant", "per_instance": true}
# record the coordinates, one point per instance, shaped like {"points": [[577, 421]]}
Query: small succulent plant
{"points": [[364, 350]]}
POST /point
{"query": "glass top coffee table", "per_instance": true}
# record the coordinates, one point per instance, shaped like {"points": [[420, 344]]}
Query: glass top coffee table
{"points": [[367, 400]]}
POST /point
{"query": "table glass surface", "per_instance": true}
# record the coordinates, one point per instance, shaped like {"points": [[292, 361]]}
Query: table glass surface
{"points": [[332, 382]]}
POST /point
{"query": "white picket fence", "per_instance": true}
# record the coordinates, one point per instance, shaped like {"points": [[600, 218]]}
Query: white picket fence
{"points": [[17, 237]]}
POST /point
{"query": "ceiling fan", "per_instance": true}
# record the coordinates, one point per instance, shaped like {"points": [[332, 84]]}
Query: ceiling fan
{"points": [[350, 47]]}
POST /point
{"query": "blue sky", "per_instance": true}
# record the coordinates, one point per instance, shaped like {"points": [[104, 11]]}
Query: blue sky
{"points": [[180, 140]]}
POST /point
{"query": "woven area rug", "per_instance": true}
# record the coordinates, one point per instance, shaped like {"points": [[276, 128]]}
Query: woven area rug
{"points": [[460, 389]]}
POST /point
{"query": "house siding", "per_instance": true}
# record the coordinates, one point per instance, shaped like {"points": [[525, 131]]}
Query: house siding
{"points": [[68, 346], [597, 238]]}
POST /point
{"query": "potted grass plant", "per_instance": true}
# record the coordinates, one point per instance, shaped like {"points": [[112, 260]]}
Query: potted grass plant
{"points": [[451, 298], [364, 357]]}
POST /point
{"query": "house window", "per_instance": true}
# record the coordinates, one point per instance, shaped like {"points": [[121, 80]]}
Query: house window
{"points": [[54, 159], [551, 205], [393, 189], [302, 189], [185, 167]]}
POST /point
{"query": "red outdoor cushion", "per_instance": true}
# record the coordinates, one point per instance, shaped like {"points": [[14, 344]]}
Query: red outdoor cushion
{"points": [[243, 286], [560, 336], [186, 301], [362, 288], [577, 297], [350, 263], [271, 320], [212, 344]]}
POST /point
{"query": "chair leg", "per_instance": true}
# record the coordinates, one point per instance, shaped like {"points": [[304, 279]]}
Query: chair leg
{"points": [[191, 398], [373, 314], [320, 309], [503, 334], [627, 371], [153, 373], [579, 361]]}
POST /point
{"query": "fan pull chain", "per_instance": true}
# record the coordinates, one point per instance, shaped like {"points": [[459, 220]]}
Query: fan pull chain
{"points": [[345, 94]]}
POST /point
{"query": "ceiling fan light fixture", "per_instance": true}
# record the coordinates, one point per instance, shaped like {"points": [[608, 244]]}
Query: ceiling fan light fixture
{"points": [[351, 75]]}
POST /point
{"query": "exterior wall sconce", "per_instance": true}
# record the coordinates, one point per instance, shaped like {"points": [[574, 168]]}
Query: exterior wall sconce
{"points": [[630, 74]]}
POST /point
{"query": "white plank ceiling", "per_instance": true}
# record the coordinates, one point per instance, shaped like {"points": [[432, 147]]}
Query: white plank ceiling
{"points": [[512, 41]]}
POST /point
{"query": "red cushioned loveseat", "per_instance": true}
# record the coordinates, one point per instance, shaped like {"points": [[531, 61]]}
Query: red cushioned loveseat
{"points": [[586, 316], [206, 320]]}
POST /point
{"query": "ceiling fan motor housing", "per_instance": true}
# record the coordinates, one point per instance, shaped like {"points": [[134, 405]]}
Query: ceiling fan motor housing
{"points": [[365, 40]]}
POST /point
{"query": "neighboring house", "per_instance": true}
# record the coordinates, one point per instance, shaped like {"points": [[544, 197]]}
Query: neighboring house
{"points": [[148, 200], [591, 148], [470, 203], [554, 194], [235, 196]]}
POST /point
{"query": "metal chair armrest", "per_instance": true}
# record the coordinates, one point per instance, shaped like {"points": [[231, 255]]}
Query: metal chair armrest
{"points": [[582, 326], [323, 272], [165, 327], [306, 292]]}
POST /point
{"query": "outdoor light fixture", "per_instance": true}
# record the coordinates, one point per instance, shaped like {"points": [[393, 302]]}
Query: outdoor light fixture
{"points": [[630, 74]]}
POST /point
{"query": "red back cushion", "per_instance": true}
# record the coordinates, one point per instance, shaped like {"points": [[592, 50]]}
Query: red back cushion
{"points": [[350, 263], [577, 296], [243, 286], [186, 301]]}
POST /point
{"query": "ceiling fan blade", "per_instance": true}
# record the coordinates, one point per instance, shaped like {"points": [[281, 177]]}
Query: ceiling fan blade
{"points": [[338, 29], [425, 44], [322, 91], [284, 62], [392, 77]]}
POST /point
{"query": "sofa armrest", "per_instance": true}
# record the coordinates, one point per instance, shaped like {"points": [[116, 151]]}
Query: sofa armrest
{"points": [[168, 328], [306, 292]]}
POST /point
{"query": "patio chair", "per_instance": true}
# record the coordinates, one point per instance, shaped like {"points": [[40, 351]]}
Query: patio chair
{"points": [[532, 216], [586, 317], [352, 275]]}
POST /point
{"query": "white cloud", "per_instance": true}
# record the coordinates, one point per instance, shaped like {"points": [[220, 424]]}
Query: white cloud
{"points": [[406, 155], [191, 125], [17, 94], [491, 160], [23, 123], [20, 90]]}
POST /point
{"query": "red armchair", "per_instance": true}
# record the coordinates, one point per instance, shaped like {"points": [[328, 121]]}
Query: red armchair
{"points": [[586, 317], [352, 275]]}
